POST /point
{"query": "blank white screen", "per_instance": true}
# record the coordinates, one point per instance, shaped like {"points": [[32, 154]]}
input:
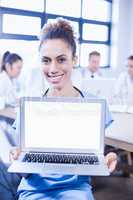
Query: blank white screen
{"points": [[62, 125]]}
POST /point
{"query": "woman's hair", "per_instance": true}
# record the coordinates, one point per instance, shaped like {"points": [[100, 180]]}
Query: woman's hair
{"points": [[59, 29], [9, 58], [130, 57]]}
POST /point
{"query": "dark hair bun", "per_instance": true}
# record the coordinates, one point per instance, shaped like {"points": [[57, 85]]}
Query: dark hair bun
{"points": [[5, 55], [60, 24], [9, 58], [59, 29]]}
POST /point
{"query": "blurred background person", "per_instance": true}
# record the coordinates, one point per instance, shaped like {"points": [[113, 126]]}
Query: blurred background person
{"points": [[92, 71], [10, 70], [10, 67], [124, 84]]}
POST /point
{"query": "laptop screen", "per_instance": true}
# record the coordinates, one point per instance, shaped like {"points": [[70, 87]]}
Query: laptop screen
{"points": [[60, 125]]}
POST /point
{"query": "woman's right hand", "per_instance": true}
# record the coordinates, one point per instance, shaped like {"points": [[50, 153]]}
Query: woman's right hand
{"points": [[14, 153]]}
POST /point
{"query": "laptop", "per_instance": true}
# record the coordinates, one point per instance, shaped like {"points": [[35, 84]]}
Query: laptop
{"points": [[61, 136], [103, 88]]}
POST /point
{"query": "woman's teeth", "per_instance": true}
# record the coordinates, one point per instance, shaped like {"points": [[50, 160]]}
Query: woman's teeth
{"points": [[56, 78]]}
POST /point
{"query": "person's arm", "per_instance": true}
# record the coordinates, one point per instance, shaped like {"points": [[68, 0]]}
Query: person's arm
{"points": [[2, 87], [15, 151], [118, 89]]}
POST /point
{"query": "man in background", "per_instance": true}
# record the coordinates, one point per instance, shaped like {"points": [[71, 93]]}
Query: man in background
{"points": [[92, 71], [124, 84]]}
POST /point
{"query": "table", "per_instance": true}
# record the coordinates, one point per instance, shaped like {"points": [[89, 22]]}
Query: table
{"points": [[120, 133]]}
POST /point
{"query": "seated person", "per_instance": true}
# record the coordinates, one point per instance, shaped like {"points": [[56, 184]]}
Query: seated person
{"points": [[10, 69], [92, 71], [124, 84], [8, 181], [57, 50]]}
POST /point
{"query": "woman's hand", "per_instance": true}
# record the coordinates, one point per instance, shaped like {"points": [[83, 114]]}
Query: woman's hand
{"points": [[14, 153], [111, 161]]}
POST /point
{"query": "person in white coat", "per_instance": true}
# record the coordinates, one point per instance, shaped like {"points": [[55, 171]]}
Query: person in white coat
{"points": [[124, 84], [91, 72], [10, 69]]}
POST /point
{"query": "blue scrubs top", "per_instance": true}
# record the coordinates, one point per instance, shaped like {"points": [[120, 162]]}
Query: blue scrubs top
{"points": [[49, 187]]}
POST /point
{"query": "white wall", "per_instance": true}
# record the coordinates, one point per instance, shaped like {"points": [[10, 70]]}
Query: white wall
{"points": [[124, 34], [131, 27]]}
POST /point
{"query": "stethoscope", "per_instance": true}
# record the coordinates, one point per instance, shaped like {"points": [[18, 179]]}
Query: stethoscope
{"points": [[81, 94]]}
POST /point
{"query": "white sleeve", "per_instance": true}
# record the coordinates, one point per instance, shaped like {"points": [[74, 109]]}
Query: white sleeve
{"points": [[120, 84], [16, 127], [2, 87]]}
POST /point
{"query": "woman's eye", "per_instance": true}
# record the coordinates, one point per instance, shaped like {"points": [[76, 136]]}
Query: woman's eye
{"points": [[45, 61], [61, 60]]}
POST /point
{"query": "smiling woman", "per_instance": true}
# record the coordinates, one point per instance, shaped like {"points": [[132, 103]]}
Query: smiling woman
{"points": [[57, 51]]}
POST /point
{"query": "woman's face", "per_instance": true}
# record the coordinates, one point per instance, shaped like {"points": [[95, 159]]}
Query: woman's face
{"points": [[57, 62], [14, 70]]}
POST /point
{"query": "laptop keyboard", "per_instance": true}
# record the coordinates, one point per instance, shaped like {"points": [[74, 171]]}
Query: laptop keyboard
{"points": [[60, 158]]}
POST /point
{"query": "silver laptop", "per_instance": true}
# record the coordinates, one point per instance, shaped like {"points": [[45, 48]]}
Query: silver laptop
{"points": [[61, 136]]}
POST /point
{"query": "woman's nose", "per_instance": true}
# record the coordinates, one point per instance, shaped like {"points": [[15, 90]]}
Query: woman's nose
{"points": [[53, 67]]}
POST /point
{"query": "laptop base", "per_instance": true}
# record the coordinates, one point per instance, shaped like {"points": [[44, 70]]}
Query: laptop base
{"points": [[49, 168]]}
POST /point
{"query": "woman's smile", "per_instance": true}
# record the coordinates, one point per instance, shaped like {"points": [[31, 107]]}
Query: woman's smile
{"points": [[55, 78], [57, 63]]}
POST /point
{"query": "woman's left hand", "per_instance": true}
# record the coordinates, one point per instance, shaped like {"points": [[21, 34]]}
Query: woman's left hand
{"points": [[111, 161]]}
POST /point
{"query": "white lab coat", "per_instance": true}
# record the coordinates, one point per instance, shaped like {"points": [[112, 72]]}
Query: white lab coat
{"points": [[7, 89], [124, 87], [80, 74], [87, 74]]}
